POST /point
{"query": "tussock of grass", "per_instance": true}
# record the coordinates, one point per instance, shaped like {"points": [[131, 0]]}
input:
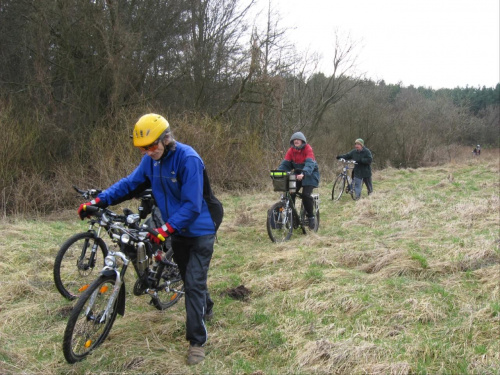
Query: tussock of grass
{"points": [[406, 281], [325, 357]]}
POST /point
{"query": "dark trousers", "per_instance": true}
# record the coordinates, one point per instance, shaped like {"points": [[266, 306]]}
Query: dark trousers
{"points": [[306, 198], [193, 255], [368, 182]]}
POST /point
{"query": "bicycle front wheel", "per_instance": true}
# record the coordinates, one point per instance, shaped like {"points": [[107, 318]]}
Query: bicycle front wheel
{"points": [[75, 263], [338, 187], [279, 222], [90, 320]]}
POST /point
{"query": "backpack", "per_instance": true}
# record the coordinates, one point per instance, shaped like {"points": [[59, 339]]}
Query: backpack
{"points": [[214, 205]]}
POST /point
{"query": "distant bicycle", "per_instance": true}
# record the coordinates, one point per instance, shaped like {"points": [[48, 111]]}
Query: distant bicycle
{"points": [[343, 182], [283, 217]]}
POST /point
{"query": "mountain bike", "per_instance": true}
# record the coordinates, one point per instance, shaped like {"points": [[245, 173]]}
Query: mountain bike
{"points": [[80, 254], [99, 304], [343, 182], [283, 217]]}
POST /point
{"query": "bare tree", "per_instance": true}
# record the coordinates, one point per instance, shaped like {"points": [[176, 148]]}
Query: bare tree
{"points": [[212, 49], [343, 78]]}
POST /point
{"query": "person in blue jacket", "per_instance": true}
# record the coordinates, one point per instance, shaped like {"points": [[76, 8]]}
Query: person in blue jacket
{"points": [[176, 175]]}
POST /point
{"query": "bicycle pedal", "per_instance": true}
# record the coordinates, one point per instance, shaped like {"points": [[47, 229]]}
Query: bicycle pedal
{"points": [[168, 263]]}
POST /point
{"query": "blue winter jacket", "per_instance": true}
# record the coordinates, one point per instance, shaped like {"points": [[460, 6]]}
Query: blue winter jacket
{"points": [[177, 184]]}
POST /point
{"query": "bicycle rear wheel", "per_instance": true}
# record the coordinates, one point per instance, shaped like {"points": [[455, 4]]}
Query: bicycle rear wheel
{"points": [[173, 291], [89, 322], [279, 222], [305, 222], [350, 184], [75, 263], [338, 187]]}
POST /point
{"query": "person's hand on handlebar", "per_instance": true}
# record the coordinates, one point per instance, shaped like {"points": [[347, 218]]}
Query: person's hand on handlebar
{"points": [[164, 232], [300, 177], [82, 210]]}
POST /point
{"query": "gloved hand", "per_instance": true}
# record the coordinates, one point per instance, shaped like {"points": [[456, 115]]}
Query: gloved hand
{"points": [[94, 202], [338, 157], [163, 233]]}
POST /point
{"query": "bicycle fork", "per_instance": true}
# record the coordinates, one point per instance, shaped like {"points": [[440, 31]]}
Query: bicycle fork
{"points": [[108, 270], [91, 263], [285, 213]]}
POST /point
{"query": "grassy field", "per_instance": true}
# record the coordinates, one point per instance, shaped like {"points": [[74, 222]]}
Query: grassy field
{"points": [[406, 281]]}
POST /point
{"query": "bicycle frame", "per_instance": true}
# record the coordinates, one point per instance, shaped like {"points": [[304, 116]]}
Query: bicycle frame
{"points": [[346, 168]]}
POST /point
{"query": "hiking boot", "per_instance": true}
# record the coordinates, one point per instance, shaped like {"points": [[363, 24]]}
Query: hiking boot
{"points": [[312, 222], [196, 354]]}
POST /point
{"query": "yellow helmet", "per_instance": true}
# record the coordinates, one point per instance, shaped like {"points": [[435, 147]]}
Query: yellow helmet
{"points": [[148, 129]]}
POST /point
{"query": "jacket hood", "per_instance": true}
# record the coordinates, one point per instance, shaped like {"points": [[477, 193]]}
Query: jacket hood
{"points": [[298, 135]]}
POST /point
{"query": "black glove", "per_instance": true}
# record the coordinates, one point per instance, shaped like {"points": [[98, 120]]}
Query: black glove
{"points": [[338, 157]]}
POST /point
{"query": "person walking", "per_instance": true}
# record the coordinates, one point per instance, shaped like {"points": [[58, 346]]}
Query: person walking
{"points": [[178, 179], [477, 150], [362, 169], [300, 159]]}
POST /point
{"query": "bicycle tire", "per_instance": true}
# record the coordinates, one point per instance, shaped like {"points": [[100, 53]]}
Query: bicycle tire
{"points": [[84, 332], [352, 192], [70, 271], [338, 187], [316, 211], [279, 222], [168, 298]]}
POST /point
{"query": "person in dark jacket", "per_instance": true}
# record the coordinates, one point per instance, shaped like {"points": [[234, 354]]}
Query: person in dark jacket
{"points": [[175, 173], [300, 159], [362, 170], [477, 150]]}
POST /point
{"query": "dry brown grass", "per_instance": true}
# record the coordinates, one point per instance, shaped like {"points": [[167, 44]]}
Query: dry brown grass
{"points": [[405, 281]]}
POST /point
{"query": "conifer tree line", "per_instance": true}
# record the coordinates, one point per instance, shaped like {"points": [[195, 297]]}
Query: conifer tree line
{"points": [[76, 74]]}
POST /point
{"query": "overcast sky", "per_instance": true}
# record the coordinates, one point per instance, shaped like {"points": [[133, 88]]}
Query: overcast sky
{"points": [[431, 43]]}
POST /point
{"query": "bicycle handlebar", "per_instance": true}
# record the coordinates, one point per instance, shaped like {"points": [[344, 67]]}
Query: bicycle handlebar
{"points": [[153, 232], [347, 161], [100, 212], [87, 194]]}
